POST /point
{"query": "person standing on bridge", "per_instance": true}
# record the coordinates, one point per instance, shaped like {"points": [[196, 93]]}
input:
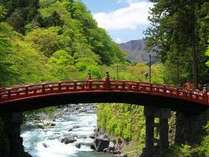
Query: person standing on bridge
{"points": [[188, 86], [107, 80], [89, 81]]}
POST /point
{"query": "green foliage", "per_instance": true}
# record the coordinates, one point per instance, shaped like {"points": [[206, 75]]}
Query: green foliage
{"points": [[203, 149], [61, 65], [122, 120], [57, 42], [27, 62], [6, 72], [125, 120], [44, 40], [180, 151], [19, 13], [2, 12], [207, 54], [138, 72], [158, 73], [60, 40], [179, 34], [104, 46], [80, 34], [20, 63]]}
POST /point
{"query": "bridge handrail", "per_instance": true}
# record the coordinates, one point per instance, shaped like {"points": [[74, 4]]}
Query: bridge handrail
{"points": [[21, 88], [121, 85]]}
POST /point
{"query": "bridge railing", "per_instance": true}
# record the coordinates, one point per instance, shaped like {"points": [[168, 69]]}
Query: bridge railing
{"points": [[102, 85]]}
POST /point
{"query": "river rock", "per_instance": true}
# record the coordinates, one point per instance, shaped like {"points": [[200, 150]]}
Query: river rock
{"points": [[91, 145], [101, 142], [92, 136], [78, 145], [67, 140], [71, 129], [52, 124], [45, 145], [74, 127]]}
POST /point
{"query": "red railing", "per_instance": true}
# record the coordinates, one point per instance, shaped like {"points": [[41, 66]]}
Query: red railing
{"points": [[24, 92]]}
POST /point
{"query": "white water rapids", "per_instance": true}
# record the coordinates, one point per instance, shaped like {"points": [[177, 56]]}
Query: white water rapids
{"points": [[47, 142]]}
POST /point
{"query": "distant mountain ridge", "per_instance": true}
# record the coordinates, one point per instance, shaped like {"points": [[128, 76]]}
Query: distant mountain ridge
{"points": [[136, 50]]}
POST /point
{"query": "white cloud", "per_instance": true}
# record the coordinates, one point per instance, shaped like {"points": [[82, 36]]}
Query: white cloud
{"points": [[130, 1], [118, 40], [130, 17]]}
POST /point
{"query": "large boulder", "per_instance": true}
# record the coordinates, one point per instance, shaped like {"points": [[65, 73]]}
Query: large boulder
{"points": [[101, 142]]}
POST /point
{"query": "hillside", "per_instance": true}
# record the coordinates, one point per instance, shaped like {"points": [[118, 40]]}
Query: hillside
{"points": [[60, 37], [136, 51]]}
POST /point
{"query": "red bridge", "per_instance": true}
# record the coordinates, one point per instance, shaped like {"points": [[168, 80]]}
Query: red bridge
{"points": [[24, 98]]}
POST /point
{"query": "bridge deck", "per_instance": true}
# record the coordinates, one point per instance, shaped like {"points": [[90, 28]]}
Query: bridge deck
{"points": [[18, 94]]}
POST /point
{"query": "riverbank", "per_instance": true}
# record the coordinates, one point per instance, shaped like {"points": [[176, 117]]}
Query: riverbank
{"points": [[116, 145], [124, 121]]}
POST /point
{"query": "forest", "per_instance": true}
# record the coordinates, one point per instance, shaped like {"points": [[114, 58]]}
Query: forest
{"points": [[53, 40]]}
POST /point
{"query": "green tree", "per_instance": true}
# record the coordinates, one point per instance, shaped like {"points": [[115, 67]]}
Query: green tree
{"points": [[44, 40], [61, 66], [207, 54], [176, 34], [20, 12], [27, 62], [6, 72]]}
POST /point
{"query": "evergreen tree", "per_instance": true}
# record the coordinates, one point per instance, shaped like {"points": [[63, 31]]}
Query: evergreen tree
{"points": [[176, 34]]}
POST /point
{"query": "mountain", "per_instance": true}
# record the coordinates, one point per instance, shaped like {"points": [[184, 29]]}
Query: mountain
{"points": [[136, 50]]}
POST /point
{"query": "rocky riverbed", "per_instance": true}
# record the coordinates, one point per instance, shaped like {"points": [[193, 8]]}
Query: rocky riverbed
{"points": [[68, 133]]}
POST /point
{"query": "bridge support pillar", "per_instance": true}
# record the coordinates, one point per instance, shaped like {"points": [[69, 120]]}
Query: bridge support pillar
{"points": [[149, 143], [189, 128], [156, 142], [11, 142], [164, 128]]}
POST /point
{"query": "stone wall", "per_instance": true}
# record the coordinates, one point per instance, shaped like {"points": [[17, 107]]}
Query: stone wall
{"points": [[10, 140]]}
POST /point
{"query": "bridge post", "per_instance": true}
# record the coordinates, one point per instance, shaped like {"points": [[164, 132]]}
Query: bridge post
{"points": [[154, 146]]}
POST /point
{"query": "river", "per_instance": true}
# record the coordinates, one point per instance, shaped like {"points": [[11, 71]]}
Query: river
{"points": [[47, 142]]}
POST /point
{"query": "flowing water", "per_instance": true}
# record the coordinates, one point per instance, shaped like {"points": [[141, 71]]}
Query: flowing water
{"points": [[47, 142]]}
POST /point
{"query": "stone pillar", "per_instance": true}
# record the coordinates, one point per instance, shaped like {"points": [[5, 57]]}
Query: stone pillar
{"points": [[149, 143], [164, 129], [14, 134], [159, 148], [10, 128], [164, 134], [149, 138]]}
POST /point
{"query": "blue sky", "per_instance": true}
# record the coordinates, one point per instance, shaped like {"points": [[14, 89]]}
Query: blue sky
{"points": [[124, 20]]}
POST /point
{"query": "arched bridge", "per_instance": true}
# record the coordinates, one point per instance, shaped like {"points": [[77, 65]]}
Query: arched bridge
{"points": [[30, 97]]}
